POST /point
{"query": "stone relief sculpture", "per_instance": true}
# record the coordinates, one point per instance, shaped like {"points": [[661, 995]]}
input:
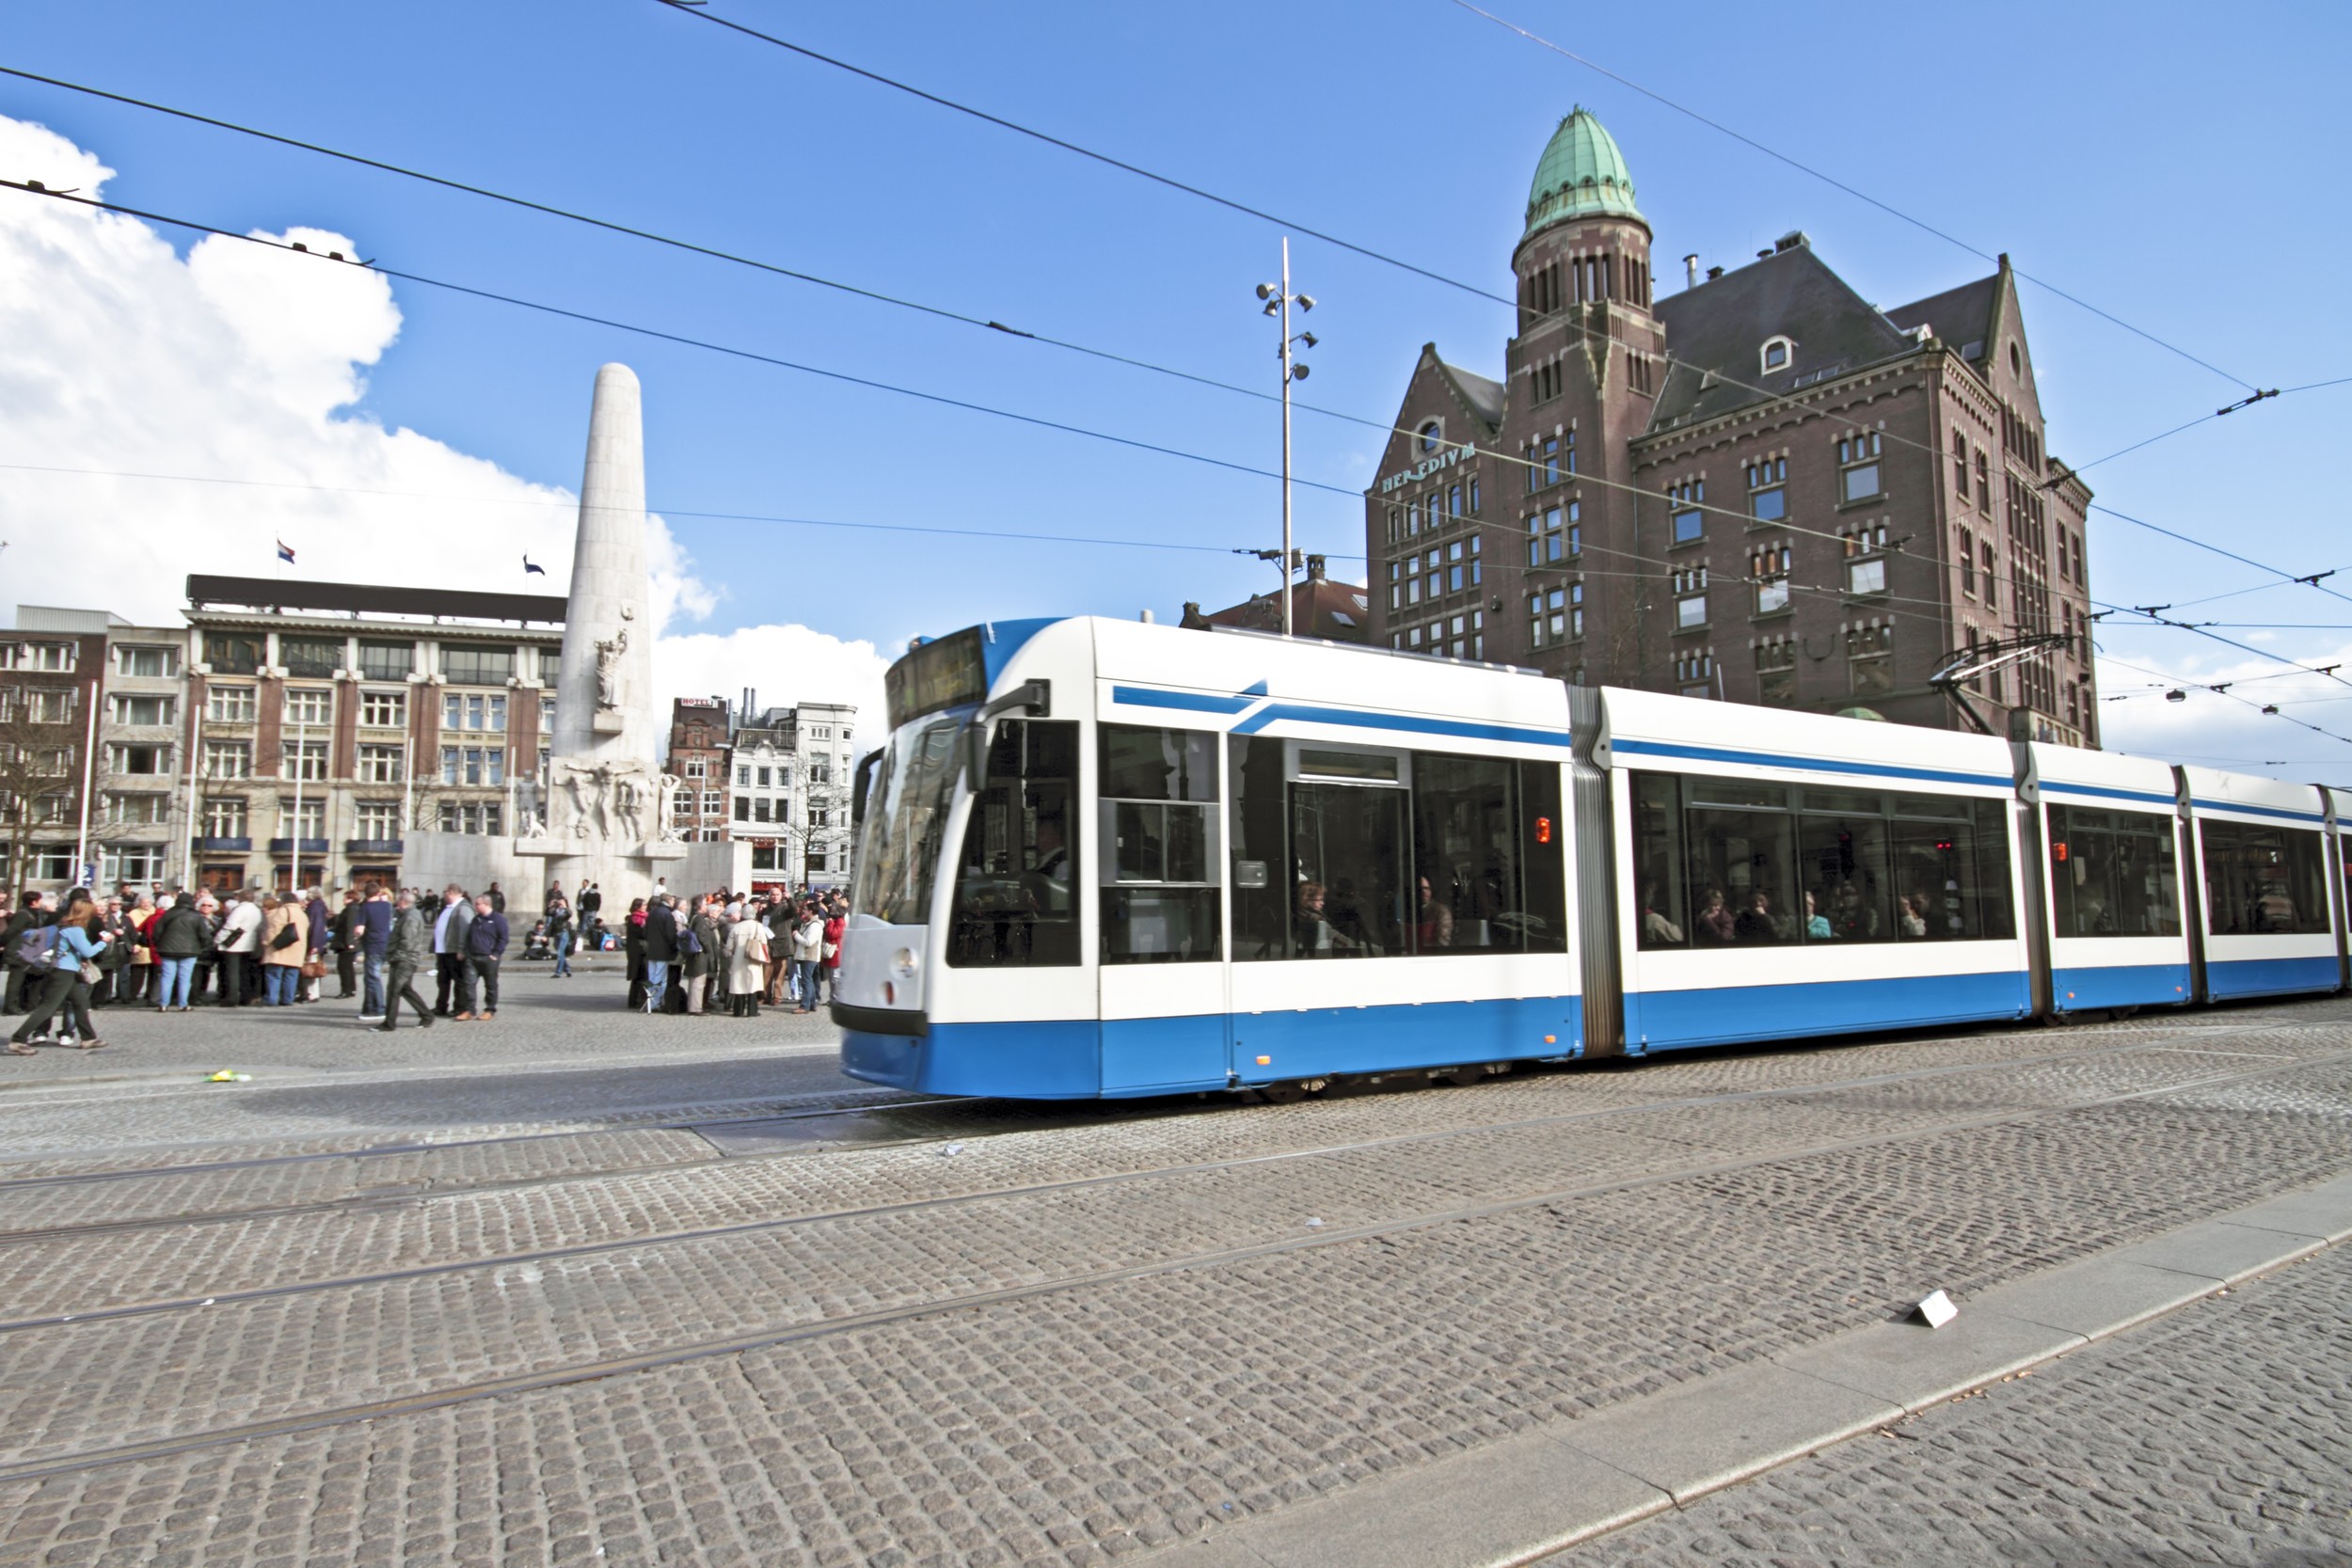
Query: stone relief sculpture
{"points": [[628, 807], [609, 652], [668, 783]]}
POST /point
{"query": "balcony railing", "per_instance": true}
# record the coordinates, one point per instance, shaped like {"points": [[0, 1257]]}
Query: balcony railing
{"points": [[372, 845], [211, 845], [286, 845]]}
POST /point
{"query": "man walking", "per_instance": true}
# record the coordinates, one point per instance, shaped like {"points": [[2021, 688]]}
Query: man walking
{"points": [[486, 944], [449, 949], [372, 932], [410, 945], [661, 948]]}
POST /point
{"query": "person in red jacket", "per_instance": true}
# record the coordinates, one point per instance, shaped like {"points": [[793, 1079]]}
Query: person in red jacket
{"points": [[837, 920]]}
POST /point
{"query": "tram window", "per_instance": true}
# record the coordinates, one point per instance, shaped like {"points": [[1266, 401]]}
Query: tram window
{"points": [[2264, 881], [2112, 874], [1016, 902], [1259, 847], [1160, 861], [1474, 852], [905, 822], [1730, 862]]}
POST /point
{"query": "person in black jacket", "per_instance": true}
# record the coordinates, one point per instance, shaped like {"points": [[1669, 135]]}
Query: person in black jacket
{"points": [[633, 951], [30, 915], [661, 948], [179, 936], [485, 948], [592, 902]]}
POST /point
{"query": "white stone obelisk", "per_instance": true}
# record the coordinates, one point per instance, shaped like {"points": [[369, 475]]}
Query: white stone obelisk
{"points": [[604, 689]]}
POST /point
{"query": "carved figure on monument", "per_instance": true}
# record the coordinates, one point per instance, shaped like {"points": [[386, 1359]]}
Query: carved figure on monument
{"points": [[586, 787], [628, 807], [533, 815], [668, 783], [609, 652]]}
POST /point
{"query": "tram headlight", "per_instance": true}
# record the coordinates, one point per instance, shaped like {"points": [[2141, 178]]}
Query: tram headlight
{"points": [[903, 961]]}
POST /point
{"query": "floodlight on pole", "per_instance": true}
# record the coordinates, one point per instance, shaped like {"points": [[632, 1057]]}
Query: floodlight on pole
{"points": [[1278, 300]]}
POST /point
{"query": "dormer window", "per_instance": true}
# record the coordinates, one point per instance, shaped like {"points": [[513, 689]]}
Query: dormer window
{"points": [[1431, 434], [1778, 354]]}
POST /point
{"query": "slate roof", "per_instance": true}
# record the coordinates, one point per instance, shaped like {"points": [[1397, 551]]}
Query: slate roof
{"points": [[1962, 317], [1721, 327], [1484, 396]]}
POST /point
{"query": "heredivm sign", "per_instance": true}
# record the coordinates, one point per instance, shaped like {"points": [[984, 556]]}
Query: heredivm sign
{"points": [[1428, 465]]}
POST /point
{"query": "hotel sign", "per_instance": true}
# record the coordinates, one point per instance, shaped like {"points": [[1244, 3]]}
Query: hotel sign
{"points": [[1428, 465]]}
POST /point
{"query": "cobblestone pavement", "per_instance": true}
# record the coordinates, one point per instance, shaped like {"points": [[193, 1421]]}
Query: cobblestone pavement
{"points": [[2221, 1434], [1051, 1337], [560, 1053]]}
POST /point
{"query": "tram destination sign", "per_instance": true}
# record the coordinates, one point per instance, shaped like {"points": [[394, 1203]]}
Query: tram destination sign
{"points": [[1428, 465], [949, 673]]}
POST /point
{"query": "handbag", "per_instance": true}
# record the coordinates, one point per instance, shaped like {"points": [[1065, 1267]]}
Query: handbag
{"points": [[314, 970], [287, 936], [92, 973]]}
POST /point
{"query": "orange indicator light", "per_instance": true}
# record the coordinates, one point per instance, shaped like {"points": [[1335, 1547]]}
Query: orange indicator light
{"points": [[1265, 1061], [1543, 830]]}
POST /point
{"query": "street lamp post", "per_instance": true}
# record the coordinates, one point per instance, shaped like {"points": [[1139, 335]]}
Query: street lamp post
{"points": [[1278, 300]]}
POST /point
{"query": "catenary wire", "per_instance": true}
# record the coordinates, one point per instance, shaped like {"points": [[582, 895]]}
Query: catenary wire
{"points": [[2142, 669], [1858, 194], [941, 312]]}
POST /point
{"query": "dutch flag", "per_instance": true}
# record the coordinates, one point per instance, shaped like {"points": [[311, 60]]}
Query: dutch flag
{"points": [[285, 553]]}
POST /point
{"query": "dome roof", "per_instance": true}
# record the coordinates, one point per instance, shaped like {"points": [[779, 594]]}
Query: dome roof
{"points": [[1580, 174]]}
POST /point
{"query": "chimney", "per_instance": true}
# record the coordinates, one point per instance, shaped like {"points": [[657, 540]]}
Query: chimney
{"points": [[1147, 617], [1691, 270], [1316, 567], [1713, 273]]}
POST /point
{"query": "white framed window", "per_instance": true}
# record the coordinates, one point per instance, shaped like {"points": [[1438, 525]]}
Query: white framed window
{"points": [[302, 820], [135, 863], [743, 777], [130, 757], [228, 759], [306, 760], [694, 767], [224, 817], [310, 706], [230, 704], [384, 710], [144, 810], [476, 817], [473, 764], [380, 764], [124, 708], [377, 819], [38, 655], [147, 661], [1777, 353], [49, 704], [474, 711], [714, 802], [1866, 576]]}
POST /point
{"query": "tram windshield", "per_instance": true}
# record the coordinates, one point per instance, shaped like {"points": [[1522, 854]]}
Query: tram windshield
{"points": [[914, 783]]}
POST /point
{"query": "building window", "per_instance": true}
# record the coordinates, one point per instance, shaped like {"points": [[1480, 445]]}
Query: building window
{"points": [[228, 759], [1684, 501], [468, 665], [307, 706], [150, 663], [1777, 673], [229, 705], [1690, 588], [714, 802], [485, 714], [1869, 657], [224, 817], [387, 662], [49, 704], [140, 710], [1984, 479], [57, 656], [1546, 378], [742, 808], [306, 760], [124, 759], [1554, 534], [135, 864], [1767, 491], [1694, 675], [1967, 564], [547, 713], [1431, 434], [1960, 465], [1396, 524], [383, 710], [231, 652], [1858, 467], [1473, 495], [138, 810], [305, 818], [694, 767], [1867, 577], [310, 657], [473, 764], [743, 777], [1776, 354], [377, 819], [1985, 555], [1769, 567], [1543, 461], [380, 764], [473, 817]]}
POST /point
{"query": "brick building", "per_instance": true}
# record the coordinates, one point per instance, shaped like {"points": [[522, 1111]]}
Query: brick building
{"points": [[1760, 487], [1320, 607], [700, 744]]}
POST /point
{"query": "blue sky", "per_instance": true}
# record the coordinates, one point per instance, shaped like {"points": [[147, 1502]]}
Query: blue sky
{"points": [[2183, 175]]}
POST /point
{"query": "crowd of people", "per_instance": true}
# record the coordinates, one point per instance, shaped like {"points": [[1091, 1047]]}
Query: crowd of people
{"points": [[67, 957]]}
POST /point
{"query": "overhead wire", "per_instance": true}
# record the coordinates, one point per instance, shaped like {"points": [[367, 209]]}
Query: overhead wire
{"points": [[2232, 696]]}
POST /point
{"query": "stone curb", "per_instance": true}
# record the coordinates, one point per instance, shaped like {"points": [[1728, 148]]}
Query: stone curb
{"points": [[1526, 1496]]}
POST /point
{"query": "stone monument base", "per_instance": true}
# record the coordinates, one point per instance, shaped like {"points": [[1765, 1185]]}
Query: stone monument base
{"points": [[523, 867]]}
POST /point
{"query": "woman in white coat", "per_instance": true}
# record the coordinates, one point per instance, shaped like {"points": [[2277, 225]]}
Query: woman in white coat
{"points": [[747, 966]]}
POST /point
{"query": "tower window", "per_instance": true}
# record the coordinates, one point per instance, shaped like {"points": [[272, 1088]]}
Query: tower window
{"points": [[1431, 434], [1778, 354]]}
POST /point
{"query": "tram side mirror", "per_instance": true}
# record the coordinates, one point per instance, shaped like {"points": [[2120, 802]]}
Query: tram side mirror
{"points": [[857, 788], [1033, 698]]}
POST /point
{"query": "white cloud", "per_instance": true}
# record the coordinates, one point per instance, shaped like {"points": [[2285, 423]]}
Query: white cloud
{"points": [[2226, 729], [243, 363]]}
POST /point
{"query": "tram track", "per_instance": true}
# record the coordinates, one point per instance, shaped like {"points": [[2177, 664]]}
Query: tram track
{"points": [[775, 1335]]}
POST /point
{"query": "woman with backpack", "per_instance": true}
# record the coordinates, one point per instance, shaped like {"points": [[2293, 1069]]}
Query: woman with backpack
{"points": [[63, 990]]}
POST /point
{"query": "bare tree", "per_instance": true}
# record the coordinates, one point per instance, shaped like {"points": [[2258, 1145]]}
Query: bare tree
{"points": [[39, 780]]}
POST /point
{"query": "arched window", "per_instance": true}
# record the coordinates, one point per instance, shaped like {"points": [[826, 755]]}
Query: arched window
{"points": [[1431, 434], [1777, 355]]}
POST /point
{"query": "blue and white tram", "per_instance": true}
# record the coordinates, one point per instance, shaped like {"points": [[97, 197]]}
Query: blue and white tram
{"points": [[1104, 858]]}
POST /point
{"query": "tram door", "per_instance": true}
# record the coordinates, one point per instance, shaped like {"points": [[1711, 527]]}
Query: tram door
{"points": [[1160, 874]]}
